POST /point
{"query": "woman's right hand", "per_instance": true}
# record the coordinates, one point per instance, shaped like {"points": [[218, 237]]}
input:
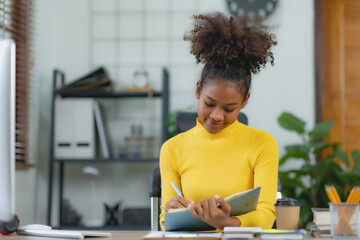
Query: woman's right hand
{"points": [[177, 202]]}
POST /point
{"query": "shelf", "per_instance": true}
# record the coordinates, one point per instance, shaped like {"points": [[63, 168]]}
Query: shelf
{"points": [[58, 81], [97, 94], [109, 160]]}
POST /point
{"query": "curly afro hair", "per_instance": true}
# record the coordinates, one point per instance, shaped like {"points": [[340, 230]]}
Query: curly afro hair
{"points": [[231, 48], [222, 42]]}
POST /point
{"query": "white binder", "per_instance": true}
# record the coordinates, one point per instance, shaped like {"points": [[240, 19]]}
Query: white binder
{"points": [[101, 130], [74, 128], [63, 129], [84, 129]]}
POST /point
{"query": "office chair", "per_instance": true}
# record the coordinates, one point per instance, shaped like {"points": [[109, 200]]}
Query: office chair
{"points": [[184, 121]]}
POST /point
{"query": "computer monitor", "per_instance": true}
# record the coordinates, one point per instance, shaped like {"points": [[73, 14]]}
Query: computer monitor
{"points": [[7, 136]]}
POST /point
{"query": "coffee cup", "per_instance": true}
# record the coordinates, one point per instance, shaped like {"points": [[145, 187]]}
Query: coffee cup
{"points": [[287, 213]]}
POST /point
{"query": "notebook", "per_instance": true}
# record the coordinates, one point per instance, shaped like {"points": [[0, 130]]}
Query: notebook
{"points": [[182, 219]]}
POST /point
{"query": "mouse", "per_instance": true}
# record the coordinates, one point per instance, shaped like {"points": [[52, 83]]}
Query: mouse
{"points": [[36, 227]]}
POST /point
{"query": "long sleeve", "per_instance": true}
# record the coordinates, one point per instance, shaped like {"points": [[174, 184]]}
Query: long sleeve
{"points": [[265, 175], [168, 173]]}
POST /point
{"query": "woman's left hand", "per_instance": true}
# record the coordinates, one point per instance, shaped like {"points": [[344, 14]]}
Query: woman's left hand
{"points": [[215, 212]]}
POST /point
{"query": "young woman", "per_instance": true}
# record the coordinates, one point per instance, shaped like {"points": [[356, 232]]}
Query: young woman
{"points": [[220, 156]]}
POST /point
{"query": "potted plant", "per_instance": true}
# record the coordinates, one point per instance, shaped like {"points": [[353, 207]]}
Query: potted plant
{"points": [[320, 163]]}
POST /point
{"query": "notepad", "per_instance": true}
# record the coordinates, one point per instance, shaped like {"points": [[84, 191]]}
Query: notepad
{"points": [[242, 229]]}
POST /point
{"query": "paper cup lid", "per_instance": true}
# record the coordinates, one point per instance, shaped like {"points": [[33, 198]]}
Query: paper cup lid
{"points": [[287, 202]]}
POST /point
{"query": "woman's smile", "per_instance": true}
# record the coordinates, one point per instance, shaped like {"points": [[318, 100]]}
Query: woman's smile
{"points": [[219, 104]]}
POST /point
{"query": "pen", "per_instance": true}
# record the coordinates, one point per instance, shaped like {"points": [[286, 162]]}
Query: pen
{"points": [[179, 193], [177, 189]]}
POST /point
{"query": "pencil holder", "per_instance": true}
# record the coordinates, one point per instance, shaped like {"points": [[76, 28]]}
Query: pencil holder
{"points": [[344, 220]]}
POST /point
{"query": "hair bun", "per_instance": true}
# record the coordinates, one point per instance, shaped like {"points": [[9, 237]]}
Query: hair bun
{"points": [[222, 42]]}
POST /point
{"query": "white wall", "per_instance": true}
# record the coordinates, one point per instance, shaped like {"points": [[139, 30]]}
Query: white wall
{"points": [[62, 41]]}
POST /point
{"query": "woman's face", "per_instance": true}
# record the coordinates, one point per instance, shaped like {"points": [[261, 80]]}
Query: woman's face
{"points": [[219, 104]]}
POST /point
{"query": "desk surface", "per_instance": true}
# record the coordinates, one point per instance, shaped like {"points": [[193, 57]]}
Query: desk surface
{"points": [[123, 235], [128, 235]]}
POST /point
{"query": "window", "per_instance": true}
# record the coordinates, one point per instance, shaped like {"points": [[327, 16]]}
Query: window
{"points": [[15, 23]]}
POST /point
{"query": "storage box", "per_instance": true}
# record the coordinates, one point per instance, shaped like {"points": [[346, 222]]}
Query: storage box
{"points": [[344, 220], [140, 146]]}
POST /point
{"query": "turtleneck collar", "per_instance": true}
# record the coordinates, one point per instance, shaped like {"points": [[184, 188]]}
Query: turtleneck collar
{"points": [[227, 132]]}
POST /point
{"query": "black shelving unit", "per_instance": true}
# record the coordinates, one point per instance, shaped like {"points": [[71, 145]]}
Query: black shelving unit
{"points": [[59, 80]]}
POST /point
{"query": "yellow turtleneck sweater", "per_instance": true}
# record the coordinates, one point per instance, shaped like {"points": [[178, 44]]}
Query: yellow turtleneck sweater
{"points": [[236, 159]]}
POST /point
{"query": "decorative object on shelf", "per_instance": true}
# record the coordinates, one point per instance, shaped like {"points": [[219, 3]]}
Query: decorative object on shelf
{"points": [[69, 216], [97, 80], [260, 8], [112, 214], [138, 145], [91, 173], [140, 83], [141, 79], [136, 130]]}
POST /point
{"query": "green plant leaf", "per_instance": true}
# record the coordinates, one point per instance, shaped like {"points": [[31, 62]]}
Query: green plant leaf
{"points": [[298, 151], [291, 154], [320, 131], [319, 177], [284, 158], [291, 122], [311, 167], [323, 169], [356, 157], [350, 178], [318, 147], [170, 117], [341, 155]]}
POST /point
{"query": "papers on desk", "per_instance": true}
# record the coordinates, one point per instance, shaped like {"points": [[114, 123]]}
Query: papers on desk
{"points": [[62, 233], [278, 234], [183, 235], [242, 229], [232, 233], [236, 233]]}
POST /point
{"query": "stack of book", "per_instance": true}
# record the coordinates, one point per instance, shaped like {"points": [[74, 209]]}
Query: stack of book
{"points": [[96, 80], [321, 220], [278, 234]]}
